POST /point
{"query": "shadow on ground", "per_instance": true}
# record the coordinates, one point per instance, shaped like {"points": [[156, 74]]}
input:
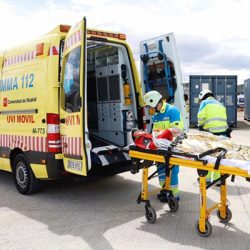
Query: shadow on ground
{"points": [[91, 208]]}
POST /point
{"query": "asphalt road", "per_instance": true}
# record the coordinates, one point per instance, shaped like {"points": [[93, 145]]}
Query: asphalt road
{"points": [[103, 214]]}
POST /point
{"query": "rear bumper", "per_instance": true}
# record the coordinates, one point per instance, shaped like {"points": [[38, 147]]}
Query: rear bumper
{"points": [[54, 166]]}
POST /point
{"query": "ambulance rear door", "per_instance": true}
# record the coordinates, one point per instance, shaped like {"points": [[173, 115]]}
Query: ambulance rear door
{"points": [[75, 143], [160, 71]]}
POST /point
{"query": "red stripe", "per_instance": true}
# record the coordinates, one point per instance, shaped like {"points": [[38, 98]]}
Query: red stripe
{"points": [[46, 144], [41, 144], [79, 146], [78, 35], [76, 145], [64, 144], [68, 145], [30, 142], [71, 145]]}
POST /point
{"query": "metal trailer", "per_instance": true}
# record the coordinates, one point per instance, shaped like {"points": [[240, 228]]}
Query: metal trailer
{"points": [[247, 99], [224, 88]]}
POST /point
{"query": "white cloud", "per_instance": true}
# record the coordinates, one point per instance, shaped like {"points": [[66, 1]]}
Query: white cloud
{"points": [[223, 25]]}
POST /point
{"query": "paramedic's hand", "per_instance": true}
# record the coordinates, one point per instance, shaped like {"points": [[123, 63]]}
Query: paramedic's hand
{"points": [[175, 131]]}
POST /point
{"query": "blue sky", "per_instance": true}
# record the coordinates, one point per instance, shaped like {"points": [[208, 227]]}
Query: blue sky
{"points": [[212, 36]]}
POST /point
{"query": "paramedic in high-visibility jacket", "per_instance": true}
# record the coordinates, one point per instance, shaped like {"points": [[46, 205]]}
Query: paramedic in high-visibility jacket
{"points": [[166, 116], [212, 117]]}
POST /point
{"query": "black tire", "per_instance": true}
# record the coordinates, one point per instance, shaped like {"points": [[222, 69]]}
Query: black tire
{"points": [[25, 180], [228, 216], [173, 204], [208, 231], [150, 214]]}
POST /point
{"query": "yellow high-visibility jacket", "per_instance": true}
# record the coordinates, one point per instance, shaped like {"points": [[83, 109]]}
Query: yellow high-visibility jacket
{"points": [[212, 116], [168, 117]]}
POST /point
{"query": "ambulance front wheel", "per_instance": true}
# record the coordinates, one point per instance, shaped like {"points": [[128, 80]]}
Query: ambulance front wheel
{"points": [[25, 180], [208, 229], [228, 216], [150, 214]]}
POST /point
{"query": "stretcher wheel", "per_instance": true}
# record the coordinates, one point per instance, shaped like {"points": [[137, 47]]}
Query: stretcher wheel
{"points": [[173, 204], [228, 216], [208, 229], [150, 214]]}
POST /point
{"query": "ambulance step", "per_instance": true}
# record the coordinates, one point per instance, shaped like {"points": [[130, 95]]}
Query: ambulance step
{"points": [[108, 155]]}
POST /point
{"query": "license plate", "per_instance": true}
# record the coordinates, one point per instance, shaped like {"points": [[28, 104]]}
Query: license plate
{"points": [[75, 165]]}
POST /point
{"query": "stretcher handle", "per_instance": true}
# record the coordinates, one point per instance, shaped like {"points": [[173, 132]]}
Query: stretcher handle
{"points": [[212, 151], [219, 157], [222, 154]]}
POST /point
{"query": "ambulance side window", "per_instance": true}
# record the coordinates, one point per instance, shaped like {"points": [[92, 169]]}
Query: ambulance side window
{"points": [[70, 100]]}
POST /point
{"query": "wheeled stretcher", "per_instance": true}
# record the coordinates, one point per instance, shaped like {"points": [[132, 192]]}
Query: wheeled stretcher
{"points": [[144, 159]]}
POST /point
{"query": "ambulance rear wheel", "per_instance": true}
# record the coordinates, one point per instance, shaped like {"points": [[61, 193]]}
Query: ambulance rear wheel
{"points": [[228, 216], [208, 229], [25, 180], [150, 214]]}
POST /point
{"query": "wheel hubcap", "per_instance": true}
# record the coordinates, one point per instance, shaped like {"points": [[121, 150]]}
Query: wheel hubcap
{"points": [[21, 175]]}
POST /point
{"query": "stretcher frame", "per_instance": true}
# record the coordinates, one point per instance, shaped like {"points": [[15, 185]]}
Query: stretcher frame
{"points": [[144, 158]]}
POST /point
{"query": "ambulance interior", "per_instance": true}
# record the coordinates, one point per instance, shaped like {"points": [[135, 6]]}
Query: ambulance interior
{"points": [[111, 112]]}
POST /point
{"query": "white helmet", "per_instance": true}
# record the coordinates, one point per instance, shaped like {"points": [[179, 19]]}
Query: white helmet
{"points": [[152, 98], [204, 92]]}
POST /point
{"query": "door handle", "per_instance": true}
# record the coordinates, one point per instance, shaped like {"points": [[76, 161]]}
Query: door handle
{"points": [[62, 120]]}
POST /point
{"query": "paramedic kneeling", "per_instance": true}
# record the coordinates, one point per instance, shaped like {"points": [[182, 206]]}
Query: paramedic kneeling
{"points": [[212, 117], [166, 116]]}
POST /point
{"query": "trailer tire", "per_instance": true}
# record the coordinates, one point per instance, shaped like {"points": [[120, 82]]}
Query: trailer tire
{"points": [[228, 216], [25, 181], [208, 231], [173, 204], [150, 214]]}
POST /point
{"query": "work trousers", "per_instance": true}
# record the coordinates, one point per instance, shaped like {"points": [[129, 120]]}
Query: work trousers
{"points": [[174, 178]]}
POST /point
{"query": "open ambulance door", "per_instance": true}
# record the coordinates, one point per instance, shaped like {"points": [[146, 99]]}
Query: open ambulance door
{"points": [[73, 112], [160, 71]]}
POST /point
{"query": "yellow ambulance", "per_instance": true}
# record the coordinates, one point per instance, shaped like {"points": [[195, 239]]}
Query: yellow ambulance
{"points": [[69, 100]]}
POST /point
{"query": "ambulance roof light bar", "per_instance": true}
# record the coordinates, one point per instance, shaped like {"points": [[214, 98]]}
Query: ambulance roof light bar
{"points": [[119, 36], [64, 28]]}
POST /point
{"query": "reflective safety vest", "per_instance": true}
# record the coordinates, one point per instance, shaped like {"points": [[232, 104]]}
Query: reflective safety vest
{"points": [[168, 117], [212, 116]]}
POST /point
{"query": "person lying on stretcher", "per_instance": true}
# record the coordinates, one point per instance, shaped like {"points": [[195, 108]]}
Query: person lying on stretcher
{"points": [[145, 140]]}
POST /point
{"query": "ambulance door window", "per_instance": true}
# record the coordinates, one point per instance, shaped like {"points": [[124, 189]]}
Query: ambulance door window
{"points": [[70, 100], [61, 57]]}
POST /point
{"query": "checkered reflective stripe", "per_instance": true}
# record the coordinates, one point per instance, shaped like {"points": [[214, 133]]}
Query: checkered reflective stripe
{"points": [[71, 145], [73, 39], [26, 143], [16, 59]]}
